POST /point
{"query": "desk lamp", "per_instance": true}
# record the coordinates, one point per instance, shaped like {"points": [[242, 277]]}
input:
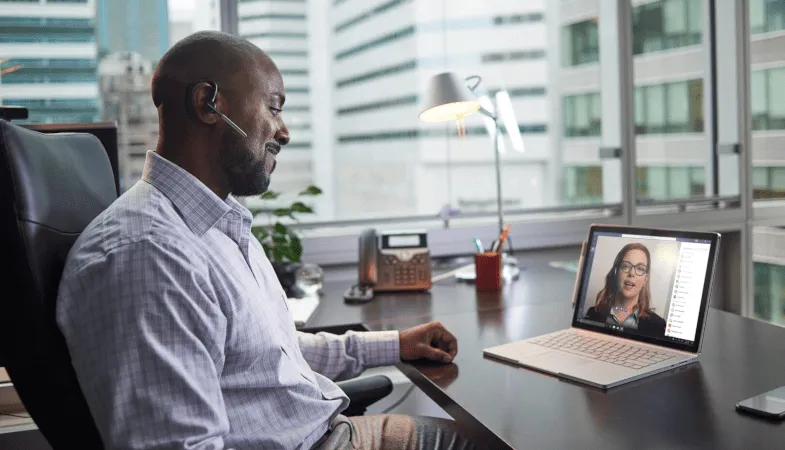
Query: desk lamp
{"points": [[450, 98]]}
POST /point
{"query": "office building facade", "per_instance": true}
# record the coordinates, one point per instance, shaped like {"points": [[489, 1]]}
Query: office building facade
{"points": [[383, 54], [49, 59], [125, 79], [141, 26], [281, 29]]}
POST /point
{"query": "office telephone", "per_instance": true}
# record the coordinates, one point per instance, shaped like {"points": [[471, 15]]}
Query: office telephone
{"points": [[391, 261]]}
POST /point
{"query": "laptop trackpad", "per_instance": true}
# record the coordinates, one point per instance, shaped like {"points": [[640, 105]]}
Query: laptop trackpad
{"points": [[555, 361]]}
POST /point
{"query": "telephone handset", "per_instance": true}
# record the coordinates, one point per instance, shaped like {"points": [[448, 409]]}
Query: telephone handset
{"points": [[366, 277], [393, 261], [368, 247]]}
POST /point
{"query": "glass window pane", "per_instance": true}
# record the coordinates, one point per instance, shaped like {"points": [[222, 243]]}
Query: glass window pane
{"points": [[760, 177], [582, 113], [595, 115], [655, 108], [674, 18], [778, 179], [569, 116], [695, 17], [757, 16], [640, 110], [759, 100], [776, 103], [658, 183], [680, 182], [697, 181], [678, 107]]}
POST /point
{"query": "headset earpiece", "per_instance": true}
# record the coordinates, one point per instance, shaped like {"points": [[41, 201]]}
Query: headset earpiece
{"points": [[209, 104]]}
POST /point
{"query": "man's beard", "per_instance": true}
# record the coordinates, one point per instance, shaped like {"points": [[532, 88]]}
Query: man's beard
{"points": [[246, 174]]}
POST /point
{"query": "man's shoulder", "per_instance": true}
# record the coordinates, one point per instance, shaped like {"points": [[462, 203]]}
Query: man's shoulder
{"points": [[141, 218]]}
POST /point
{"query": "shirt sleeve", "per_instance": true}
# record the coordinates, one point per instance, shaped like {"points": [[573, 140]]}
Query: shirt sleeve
{"points": [[348, 355], [146, 341]]}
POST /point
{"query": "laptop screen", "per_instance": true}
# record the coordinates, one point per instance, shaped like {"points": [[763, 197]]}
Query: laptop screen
{"points": [[649, 286]]}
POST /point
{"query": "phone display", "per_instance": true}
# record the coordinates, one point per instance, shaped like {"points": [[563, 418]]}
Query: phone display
{"points": [[770, 405]]}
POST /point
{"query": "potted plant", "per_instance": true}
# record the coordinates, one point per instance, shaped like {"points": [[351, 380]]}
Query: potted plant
{"points": [[280, 242]]}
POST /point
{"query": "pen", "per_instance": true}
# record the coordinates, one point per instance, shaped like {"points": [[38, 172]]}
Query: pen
{"points": [[499, 243], [478, 245], [505, 233]]}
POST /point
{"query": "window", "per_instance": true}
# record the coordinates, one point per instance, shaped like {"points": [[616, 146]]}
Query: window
{"points": [[767, 16], [583, 185], [666, 24], [769, 302], [580, 43], [582, 115], [669, 108], [767, 99], [658, 183]]}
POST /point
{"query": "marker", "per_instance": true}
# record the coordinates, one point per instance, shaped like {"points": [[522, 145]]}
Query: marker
{"points": [[505, 233], [478, 245]]}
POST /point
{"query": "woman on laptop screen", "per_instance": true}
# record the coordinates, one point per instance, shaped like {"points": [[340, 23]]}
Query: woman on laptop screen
{"points": [[625, 300]]}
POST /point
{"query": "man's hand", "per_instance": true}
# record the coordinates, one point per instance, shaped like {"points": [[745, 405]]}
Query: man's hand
{"points": [[429, 341]]}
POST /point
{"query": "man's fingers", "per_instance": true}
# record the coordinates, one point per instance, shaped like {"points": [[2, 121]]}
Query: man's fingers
{"points": [[435, 354], [450, 343]]}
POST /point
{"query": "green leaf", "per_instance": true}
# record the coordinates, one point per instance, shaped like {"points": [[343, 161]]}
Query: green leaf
{"points": [[311, 190], [280, 228], [282, 212], [293, 256], [297, 247], [280, 241], [270, 195], [301, 207], [278, 254]]}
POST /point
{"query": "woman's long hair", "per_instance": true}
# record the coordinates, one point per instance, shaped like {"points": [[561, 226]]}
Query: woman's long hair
{"points": [[607, 296]]}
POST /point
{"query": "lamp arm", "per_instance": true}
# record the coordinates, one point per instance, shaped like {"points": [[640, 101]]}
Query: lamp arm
{"points": [[487, 113]]}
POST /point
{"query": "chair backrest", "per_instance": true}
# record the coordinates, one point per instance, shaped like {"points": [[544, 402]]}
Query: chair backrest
{"points": [[51, 187]]}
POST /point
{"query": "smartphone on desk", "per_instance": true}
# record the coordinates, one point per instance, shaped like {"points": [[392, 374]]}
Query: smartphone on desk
{"points": [[770, 405]]}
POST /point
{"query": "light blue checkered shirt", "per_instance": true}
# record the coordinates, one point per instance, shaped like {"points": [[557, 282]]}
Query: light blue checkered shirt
{"points": [[179, 330]]}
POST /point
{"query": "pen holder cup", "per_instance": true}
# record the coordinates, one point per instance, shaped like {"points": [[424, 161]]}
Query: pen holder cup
{"points": [[488, 271]]}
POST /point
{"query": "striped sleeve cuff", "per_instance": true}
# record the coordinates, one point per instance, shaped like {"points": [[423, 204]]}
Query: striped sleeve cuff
{"points": [[380, 348]]}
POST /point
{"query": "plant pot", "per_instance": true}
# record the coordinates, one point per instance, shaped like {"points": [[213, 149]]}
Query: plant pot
{"points": [[287, 276]]}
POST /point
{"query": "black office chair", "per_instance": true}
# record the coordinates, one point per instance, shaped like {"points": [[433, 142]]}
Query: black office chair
{"points": [[51, 187]]}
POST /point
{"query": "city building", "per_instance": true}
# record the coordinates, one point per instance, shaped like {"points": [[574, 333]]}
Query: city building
{"points": [[282, 30], [48, 59], [207, 15], [125, 79], [140, 26]]}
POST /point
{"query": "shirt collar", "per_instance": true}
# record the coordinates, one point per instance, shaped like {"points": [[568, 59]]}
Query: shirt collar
{"points": [[634, 314], [199, 207]]}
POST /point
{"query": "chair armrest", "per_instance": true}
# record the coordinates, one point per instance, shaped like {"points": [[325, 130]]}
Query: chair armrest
{"points": [[364, 392]]}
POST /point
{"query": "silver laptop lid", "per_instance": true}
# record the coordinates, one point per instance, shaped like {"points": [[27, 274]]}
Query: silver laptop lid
{"points": [[649, 285]]}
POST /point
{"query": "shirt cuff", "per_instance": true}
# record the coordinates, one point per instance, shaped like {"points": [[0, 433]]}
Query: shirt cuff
{"points": [[380, 348]]}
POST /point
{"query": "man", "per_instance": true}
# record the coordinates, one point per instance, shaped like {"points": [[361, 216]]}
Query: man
{"points": [[175, 321]]}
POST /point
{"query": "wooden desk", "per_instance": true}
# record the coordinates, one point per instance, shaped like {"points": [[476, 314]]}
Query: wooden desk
{"points": [[512, 407]]}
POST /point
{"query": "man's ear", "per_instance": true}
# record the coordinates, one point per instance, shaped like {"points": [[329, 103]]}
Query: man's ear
{"points": [[201, 95]]}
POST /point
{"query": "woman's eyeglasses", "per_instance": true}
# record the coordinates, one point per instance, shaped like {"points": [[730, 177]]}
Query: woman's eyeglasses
{"points": [[640, 269]]}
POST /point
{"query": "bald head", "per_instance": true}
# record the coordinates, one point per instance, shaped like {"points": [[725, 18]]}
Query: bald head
{"points": [[207, 55]]}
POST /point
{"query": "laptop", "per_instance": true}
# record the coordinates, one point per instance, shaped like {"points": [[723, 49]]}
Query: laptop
{"points": [[641, 301]]}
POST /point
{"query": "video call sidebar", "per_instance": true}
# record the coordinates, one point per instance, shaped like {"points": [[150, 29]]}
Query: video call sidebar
{"points": [[682, 320]]}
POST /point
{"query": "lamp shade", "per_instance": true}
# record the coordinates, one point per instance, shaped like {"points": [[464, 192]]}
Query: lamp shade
{"points": [[448, 98]]}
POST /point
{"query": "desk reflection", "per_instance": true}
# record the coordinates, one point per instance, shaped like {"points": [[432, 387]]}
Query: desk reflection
{"points": [[683, 418]]}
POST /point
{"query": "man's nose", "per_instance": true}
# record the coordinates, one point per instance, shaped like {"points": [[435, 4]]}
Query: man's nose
{"points": [[282, 135]]}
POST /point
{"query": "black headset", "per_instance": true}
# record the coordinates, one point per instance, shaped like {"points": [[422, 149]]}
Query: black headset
{"points": [[210, 104]]}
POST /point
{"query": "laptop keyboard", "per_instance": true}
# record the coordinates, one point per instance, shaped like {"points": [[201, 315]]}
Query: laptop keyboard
{"points": [[612, 351]]}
